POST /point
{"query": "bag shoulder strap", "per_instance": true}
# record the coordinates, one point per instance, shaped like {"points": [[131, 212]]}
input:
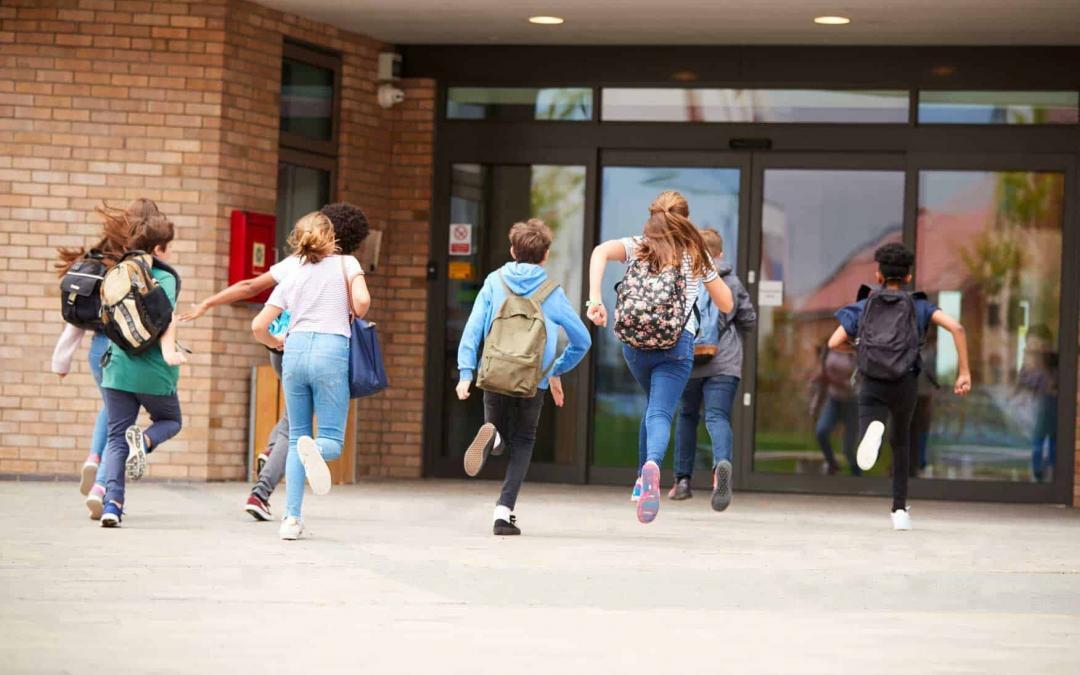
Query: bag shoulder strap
{"points": [[546, 289], [162, 265], [348, 288]]}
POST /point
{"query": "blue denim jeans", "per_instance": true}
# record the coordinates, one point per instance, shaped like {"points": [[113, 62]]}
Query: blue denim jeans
{"points": [[663, 375], [1045, 432], [718, 394], [99, 344], [123, 407], [315, 377]]}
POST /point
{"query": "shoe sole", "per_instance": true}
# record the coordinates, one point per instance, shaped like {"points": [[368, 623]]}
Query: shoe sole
{"points": [[96, 508], [870, 445], [135, 466], [477, 452], [257, 513], [89, 473], [649, 504], [721, 495], [318, 473], [109, 520]]}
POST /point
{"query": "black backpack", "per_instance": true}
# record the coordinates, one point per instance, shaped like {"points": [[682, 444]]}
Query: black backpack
{"points": [[135, 310], [80, 291], [887, 343]]}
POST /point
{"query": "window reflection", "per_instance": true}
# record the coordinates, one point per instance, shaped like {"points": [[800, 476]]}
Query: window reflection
{"points": [[519, 103], [307, 99], [754, 105], [713, 195], [999, 107], [819, 232], [989, 252]]}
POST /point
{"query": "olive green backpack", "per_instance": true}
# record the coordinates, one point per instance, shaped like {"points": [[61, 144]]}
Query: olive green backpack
{"points": [[512, 362]]}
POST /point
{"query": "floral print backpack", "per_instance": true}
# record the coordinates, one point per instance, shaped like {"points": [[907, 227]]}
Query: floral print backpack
{"points": [[650, 309]]}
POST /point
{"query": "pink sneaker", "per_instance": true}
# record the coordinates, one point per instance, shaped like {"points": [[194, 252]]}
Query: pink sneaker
{"points": [[95, 502], [89, 473], [649, 504]]}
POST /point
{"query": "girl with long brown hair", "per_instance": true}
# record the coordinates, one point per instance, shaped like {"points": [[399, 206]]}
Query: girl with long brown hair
{"points": [[667, 266], [116, 231]]}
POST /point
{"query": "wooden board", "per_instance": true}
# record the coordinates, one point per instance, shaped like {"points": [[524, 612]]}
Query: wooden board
{"points": [[269, 401]]}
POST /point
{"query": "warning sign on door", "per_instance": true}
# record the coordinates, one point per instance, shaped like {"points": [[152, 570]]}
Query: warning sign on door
{"points": [[460, 239]]}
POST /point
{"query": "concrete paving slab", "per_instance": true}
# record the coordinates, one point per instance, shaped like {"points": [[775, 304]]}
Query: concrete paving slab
{"points": [[405, 577]]}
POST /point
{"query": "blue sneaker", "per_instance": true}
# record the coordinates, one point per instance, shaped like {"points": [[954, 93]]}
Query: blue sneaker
{"points": [[112, 515], [635, 495]]}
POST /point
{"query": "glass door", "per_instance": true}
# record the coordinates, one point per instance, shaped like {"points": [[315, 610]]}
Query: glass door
{"points": [[713, 185]]}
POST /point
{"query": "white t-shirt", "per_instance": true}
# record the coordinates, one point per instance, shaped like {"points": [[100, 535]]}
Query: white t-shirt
{"points": [[693, 281], [283, 268], [316, 295]]}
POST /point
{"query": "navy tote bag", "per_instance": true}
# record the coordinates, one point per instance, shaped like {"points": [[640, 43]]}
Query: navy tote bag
{"points": [[367, 375]]}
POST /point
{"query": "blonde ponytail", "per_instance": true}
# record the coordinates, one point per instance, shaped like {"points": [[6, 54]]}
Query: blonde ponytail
{"points": [[313, 238]]}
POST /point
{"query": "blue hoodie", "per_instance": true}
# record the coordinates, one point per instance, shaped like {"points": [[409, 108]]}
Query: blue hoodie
{"points": [[524, 279]]}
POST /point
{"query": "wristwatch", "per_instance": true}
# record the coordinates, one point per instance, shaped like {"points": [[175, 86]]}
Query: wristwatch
{"points": [[593, 303]]}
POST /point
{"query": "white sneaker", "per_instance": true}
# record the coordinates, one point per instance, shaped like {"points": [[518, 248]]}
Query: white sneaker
{"points": [[870, 445], [901, 520], [318, 473], [291, 528]]}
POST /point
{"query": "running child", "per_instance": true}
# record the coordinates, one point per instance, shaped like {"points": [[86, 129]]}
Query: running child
{"points": [[117, 226], [142, 381], [519, 363], [667, 266], [713, 381], [886, 331], [350, 230], [320, 295]]}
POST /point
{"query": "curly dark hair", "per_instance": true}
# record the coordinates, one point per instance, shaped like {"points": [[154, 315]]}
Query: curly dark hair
{"points": [[894, 260], [350, 225]]}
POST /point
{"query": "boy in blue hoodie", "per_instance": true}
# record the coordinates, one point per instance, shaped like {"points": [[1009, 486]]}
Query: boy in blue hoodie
{"points": [[510, 420]]}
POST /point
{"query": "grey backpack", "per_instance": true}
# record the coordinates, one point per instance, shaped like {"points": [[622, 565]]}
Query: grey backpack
{"points": [[887, 342], [512, 361]]}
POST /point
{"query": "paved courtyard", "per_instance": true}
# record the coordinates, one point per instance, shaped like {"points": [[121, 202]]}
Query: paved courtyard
{"points": [[405, 577]]}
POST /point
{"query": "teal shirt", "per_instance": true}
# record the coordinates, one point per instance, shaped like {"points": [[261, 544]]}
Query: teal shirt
{"points": [[145, 373]]}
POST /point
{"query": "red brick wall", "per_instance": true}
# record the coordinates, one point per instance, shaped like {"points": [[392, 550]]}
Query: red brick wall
{"points": [[178, 101]]}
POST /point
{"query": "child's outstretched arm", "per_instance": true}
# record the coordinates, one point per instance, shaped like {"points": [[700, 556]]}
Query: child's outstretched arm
{"points": [[172, 355], [260, 327], [471, 336], [241, 290], [839, 341], [959, 336], [611, 250]]}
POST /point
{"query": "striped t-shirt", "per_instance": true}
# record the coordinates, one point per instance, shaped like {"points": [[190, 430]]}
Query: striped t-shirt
{"points": [[693, 281], [316, 296]]}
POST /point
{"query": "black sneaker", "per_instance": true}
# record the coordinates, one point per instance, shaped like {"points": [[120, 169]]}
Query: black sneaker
{"points": [[680, 490], [721, 486], [503, 528], [477, 452]]}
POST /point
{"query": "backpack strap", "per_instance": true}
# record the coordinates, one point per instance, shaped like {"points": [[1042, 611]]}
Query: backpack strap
{"points": [[162, 265], [546, 289]]}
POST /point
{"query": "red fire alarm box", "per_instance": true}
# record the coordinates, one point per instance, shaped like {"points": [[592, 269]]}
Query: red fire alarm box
{"points": [[251, 247]]}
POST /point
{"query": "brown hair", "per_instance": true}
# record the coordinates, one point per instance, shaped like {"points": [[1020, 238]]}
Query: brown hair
{"points": [[117, 228], [713, 240], [669, 235], [530, 241], [155, 231], [313, 238]]}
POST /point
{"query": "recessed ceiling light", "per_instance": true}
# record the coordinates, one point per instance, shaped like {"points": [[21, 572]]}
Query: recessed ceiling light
{"points": [[546, 20], [832, 20]]}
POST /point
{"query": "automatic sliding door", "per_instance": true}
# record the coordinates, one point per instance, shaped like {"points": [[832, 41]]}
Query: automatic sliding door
{"points": [[713, 194]]}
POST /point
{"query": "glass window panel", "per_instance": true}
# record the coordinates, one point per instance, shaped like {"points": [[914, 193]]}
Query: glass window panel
{"points": [[989, 254], [754, 105], [307, 100], [519, 103], [713, 196], [819, 232], [301, 190], [491, 198], [999, 107]]}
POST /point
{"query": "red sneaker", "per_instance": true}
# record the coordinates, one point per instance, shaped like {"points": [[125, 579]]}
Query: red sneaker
{"points": [[259, 509]]}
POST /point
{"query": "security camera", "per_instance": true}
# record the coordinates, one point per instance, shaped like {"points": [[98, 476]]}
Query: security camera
{"points": [[389, 95]]}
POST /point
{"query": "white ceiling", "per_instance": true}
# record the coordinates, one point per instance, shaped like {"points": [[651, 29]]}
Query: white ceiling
{"points": [[702, 22]]}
